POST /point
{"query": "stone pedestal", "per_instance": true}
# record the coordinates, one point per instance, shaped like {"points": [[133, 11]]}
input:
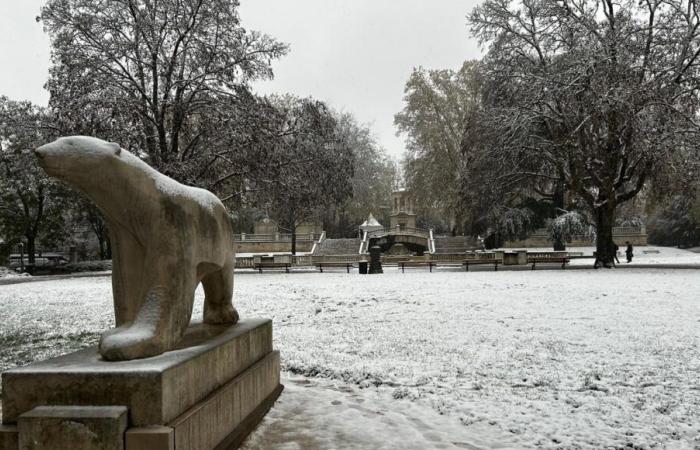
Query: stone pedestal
{"points": [[73, 428], [208, 393]]}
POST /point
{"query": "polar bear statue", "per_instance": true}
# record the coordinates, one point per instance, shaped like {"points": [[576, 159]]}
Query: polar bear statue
{"points": [[166, 239]]}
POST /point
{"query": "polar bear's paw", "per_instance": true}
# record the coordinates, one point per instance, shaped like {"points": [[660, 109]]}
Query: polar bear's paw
{"points": [[125, 343], [218, 314]]}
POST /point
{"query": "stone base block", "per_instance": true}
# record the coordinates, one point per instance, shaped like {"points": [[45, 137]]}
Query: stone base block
{"points": [[156, 390], [208, 394], [223, 415], [9, 437], [150, 438], [221, 421], [73, 428]]}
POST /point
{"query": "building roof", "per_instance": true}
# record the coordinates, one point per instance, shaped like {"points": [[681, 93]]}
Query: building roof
{"points": [[371, 222]]}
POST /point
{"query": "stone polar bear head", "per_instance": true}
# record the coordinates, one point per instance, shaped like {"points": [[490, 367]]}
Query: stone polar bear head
{"points": [[77, 158]]}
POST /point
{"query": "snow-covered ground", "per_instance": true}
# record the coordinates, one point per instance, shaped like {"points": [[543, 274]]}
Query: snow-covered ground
{"points": [[9, 273], [568, 359], [318, 414]]}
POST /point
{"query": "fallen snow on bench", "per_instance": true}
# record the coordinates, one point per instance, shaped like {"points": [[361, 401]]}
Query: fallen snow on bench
{"points": [[592, 359]]}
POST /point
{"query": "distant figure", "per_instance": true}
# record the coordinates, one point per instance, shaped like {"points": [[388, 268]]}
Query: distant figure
{"points": [[629, 252], [616, 248]]}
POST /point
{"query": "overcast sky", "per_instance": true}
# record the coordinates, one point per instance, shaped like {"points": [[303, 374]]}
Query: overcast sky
{"points": [[354, 54]]}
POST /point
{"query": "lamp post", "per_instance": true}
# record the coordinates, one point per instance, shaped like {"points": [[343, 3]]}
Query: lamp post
{"points": [[21, 257]]}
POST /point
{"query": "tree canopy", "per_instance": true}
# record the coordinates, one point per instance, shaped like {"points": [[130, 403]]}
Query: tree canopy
{"points": [[437, 106], [591, 94], [313, 165], [157, 69], [31, 204]]}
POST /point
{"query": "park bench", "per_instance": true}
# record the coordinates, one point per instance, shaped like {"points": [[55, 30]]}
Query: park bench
{"points": [[477, 262], [348, 265], [404, 264], [651, 252], [271, 265], [390, 260], [563, 260], [272, 262]]}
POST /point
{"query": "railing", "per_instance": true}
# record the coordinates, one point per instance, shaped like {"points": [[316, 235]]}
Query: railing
{"points": [[337, 259], [394, 231], [447, 257], [279, 237], [628, 230], [317, 242], [544, 255], [431, 242], [364, 244], [619, 231], [302, 260], [244, 262], [482, 255]]}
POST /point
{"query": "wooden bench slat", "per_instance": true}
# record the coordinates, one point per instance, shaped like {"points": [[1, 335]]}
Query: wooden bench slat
{"points": [[476, 262], [564, 260], [261, 266], [347, 265], [403, 264]]}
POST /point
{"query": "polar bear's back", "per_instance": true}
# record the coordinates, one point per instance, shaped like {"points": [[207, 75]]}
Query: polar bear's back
{"points": [[201, 206]]}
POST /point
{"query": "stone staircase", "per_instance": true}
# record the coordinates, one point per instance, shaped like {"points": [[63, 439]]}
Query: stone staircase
{"points": [[454, 244], [338, 247]]}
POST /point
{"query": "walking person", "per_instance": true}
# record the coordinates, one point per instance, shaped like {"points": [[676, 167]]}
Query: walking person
{"points": [[616, 248], [629, 252]]}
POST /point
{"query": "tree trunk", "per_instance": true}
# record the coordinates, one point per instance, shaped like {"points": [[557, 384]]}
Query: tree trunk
{"points": [[294, 240], [558, 205], [31, 249], [103, 252], [605, 247], [559, 245]]}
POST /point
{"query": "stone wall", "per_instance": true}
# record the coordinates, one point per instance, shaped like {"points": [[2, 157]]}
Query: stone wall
{"points": [[636, 239], [272, 246]]}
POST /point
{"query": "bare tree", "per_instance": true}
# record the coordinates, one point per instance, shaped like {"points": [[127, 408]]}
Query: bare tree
{"points": [[594, 94], [160, 66]]}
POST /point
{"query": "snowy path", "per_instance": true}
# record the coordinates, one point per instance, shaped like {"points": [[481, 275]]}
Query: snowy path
{"points": [[314, 414], [521, 359]]}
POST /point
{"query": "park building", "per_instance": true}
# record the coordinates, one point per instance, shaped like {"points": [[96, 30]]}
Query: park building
{"points": [[403, 214]]}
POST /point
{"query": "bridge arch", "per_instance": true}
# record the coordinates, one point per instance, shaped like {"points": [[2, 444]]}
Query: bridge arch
{"points": [[414, 239]]}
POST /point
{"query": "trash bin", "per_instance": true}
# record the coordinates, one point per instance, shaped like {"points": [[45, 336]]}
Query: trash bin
{"points": [[363, 267]]}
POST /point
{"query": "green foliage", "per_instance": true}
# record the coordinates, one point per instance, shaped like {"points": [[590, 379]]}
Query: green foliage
{"points": [[31, 204], [374, 178], [511, 223], [677, 223], [310, 165], [572, 223], [437, 106]]}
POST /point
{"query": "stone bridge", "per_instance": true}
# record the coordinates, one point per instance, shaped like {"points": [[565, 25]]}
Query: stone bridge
{"points": [[414, 239]]}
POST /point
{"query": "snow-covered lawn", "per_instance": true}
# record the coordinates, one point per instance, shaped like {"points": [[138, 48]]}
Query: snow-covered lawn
{"points": [[607, 358], [8, 273]]}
